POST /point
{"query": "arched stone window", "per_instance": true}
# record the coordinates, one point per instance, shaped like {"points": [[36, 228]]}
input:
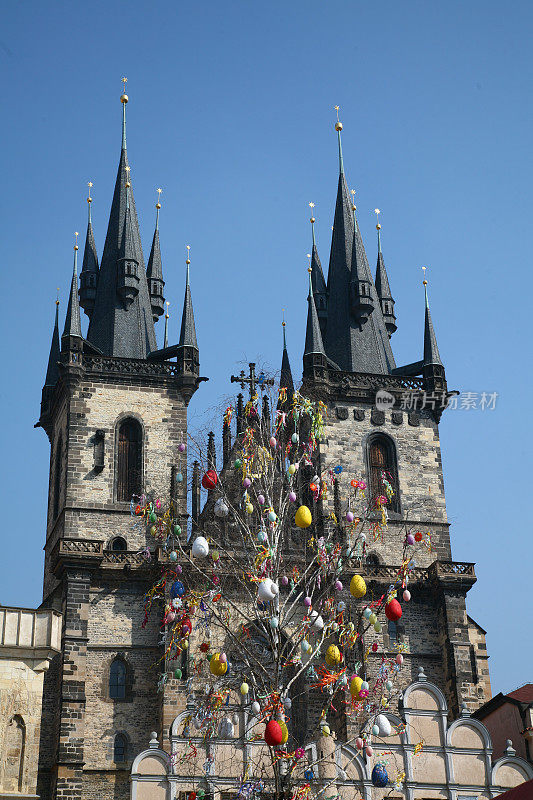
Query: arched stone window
{"points": [[117, 679], [119, 544], [120, 748], [14, 755], [57, 476], [382, 470], [129, 462]]}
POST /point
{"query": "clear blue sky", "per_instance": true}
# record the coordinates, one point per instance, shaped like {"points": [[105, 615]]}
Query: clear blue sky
{"points": [[231, 112]]}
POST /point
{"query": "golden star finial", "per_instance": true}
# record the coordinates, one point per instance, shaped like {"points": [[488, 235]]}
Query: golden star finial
{"points": [[283, 317], [158, 204], [188, 261], [124, 96], [76, 234], [352, 192], [90, 185], [377, 212], [338, 124], [311, 206], [424, 271], [57, 295], [167, 314]]}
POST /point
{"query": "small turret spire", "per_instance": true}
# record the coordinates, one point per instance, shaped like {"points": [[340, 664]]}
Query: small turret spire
{"points": [[72, 319], [165, 338], [431, 350], [89, 267], [52, 372], [313, 336], [285, 380], [188, 329], [154, 270], [124, 99], [382, 285], [338, 128]]}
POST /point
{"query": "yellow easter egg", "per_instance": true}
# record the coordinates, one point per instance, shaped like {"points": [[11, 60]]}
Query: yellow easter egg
{"points": [[333, 655], [357, 586], [216, 666], [284, 730], [355, 686], [303, 517]]}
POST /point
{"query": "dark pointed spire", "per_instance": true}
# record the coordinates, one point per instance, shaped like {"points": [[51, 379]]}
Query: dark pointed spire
{"points": [[382, 286], [285, 380], [313, 337], [165, 338], [188, 329], [361, 295], [188, 355], [52, 372], [320, 291], [89, 268], [340, 260], [154, 270], [356, 338], [121, 321], [431, 350], [72, 318], [314, 354]]}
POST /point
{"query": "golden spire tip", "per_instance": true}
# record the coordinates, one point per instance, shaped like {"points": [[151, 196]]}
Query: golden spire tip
{"points": [[124, 97], [76, 234], [158, 204], [338, 124], [90, 185], [188, 260], [377, 212]]}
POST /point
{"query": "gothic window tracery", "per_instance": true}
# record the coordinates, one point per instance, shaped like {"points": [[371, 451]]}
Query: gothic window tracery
{"points": [[129, 462], [119, 748], [382, 469], [117, 679]]}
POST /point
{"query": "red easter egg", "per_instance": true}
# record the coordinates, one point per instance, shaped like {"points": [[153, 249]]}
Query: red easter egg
{"points": [[393, 610], [210, 479], [273, 733]]}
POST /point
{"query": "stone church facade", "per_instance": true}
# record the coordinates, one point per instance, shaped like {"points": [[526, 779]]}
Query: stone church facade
{"points": [[114, 407]]}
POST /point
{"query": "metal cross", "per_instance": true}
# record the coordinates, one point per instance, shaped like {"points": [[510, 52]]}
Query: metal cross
{"points": [[260, 380]]}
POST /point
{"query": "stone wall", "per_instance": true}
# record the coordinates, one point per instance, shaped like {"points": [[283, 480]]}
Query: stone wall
{"points": [[28, 641], [103, 602]]}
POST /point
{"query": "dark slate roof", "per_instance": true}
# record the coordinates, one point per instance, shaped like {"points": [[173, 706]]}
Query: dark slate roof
{"points": [[370, 349], [313, 337], [188, 330], [117, 329], [286, 380], [338, 326], [90, 256], [382, 279], [52, 372], [354, 348], [155, 265], [72, 317], [317, 276], [431, 351]]}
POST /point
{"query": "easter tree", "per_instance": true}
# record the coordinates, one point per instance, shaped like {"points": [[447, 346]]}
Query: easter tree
{"points": [[265, 614]]}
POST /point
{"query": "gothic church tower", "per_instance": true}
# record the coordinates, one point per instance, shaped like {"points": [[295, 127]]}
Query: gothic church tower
{"points": [[347, 361], [114, 408]]}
